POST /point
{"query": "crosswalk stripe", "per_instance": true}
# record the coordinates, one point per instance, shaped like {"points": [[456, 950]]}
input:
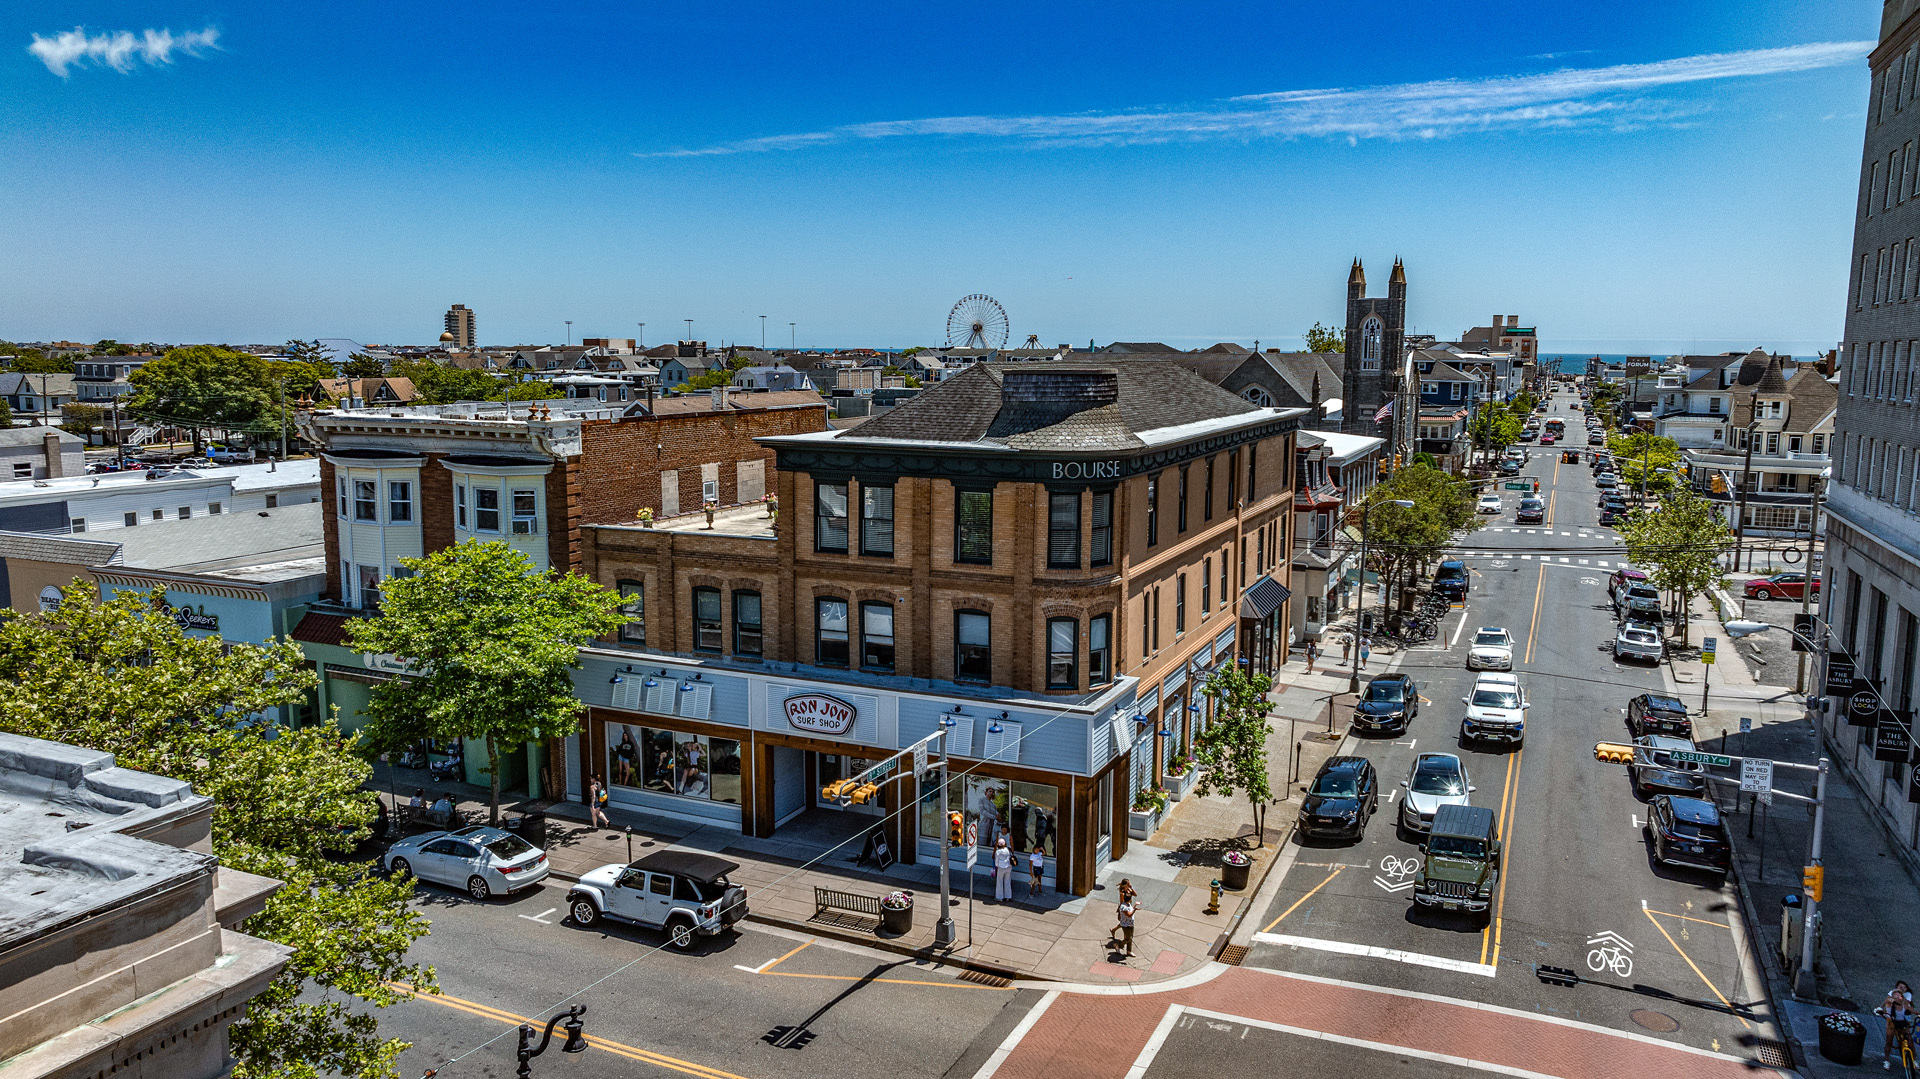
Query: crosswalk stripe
{"points": [[1563, 560], [1605, 565], [1583, 562], [1527, 556]]}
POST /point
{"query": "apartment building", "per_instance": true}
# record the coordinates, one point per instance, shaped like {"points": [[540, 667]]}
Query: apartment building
{"points": [[1335, 473], [460, 332], [1504, 334], [1872, 594], [1755, 438], [1047, 559]]}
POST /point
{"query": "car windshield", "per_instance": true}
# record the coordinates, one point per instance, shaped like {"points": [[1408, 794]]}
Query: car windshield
{"points": [[1495, 698], [1639, 636], [1453, 846], [1437, 777], [1640, 591], [1665, 704], [1335, 785], [1394, 692], [1493, 637], [1448, 573], [509, 847]]}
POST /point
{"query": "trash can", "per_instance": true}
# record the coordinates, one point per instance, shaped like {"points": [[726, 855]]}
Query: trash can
{"points": [[532, 827], [1234, 867], [1842, 1038], [896, 913]]}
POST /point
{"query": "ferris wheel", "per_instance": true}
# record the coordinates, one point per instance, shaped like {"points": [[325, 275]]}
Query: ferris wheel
{"points": [[977, 321]]}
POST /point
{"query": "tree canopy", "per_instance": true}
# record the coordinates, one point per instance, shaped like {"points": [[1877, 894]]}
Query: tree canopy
{"points": [[1233, 747], [1326, 339], [1403, 538], [361, 365], [1651, 457], [207, 386], [32, 361], [1497, 426], [121, 676], [491, 641], [312, 353], [1681, 542], [444, 384]]}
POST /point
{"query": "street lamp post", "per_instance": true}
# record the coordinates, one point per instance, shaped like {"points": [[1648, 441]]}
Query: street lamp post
{"points": [[1806, 586], [1740, 513], [576, 1041], [1366, 512]]}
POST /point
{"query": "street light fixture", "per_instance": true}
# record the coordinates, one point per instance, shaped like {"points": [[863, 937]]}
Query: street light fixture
{"points": [[1366, 512], [576, 1041]]}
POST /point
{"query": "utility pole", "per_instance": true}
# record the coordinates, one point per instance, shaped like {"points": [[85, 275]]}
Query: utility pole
{"points": [[569, 323], [689, 323], [1805, 982], [1740, 514], [1806, 586], [792, 336], [943, 931], [763, 333], [641, 342]]}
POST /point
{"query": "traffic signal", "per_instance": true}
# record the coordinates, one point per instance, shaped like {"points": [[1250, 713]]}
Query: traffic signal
{"points": [[1813, 881], [839, 790], [1613, 752], [956, 830], [864, 793]]}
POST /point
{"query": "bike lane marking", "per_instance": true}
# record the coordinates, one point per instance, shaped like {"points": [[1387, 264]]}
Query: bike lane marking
{"points": [[1694, 966], [1303, 899]]}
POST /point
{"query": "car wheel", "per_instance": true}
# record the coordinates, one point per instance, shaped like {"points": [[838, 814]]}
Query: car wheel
{"points": [[399, 868], [1761, 593], [680, 932], [477, 887], [584, 912]]}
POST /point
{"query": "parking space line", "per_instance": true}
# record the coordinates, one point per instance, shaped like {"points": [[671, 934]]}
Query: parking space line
{"points": [[764, 967], [1373, 951], [1304, 898], [1682, 917], [1696, 969]]}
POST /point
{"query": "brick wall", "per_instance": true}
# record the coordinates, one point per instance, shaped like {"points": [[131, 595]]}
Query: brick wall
{"points": [[621, 461]]}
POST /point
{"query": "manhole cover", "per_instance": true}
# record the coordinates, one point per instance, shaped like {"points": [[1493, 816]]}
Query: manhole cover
{"points": [[1658, 1022]]}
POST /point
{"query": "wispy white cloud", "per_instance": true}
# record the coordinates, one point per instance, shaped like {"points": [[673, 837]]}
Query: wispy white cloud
{"points": [[118, 49], [1621, 96]]}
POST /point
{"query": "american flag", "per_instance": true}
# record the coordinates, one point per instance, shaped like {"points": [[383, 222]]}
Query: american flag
{"points": [[1385, 411]]}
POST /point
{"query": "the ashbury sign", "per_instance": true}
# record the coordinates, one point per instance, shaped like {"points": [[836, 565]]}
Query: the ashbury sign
{"points": [[818, 713]]}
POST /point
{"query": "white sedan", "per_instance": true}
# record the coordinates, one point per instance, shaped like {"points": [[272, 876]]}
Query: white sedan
{"points": [[1489, 503], [1492, 650], [481, 860]]}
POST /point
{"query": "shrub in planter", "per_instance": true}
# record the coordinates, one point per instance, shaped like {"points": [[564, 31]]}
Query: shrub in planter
{"points": [[901, 900], [1150, 800]]}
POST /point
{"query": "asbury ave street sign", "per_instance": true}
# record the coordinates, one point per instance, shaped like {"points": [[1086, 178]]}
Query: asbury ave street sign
{"points": [[1688, 756]]}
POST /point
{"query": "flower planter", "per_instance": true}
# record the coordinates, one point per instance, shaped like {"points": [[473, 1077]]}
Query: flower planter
{"points": [[1842, 1038], [897, 921], [1142, 825], [1178, 786], [1233, 876]]}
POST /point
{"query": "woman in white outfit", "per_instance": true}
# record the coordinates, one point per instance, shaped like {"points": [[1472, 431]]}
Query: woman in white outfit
{"points": [[1002, 871]]}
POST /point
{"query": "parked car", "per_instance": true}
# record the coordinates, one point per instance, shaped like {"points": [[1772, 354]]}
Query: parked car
{"points": [[684, 893], [1596, 439], [1489, 503], [1532, 510], [1787, 585], [1344, 795], [1529, 435], [1491, 650], [1606, 481], [1657, 713], [1388, 704], [1460, 864], [1496, 710], [1450, 579], [1622, 577], [1637, 597], [480, 859], [1611, 516], [1634, 641], [1689, 832], [1435, 780], [1509, 466], [1661, 774]]}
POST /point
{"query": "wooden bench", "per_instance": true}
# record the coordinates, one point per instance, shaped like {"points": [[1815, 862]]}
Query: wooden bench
{"points": [[827, 900]]}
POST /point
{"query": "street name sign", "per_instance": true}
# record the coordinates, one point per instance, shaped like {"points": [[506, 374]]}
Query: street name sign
{"points": [[1688, 756], [1511, 486]]}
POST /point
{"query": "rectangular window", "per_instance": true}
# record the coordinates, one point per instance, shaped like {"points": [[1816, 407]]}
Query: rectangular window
{"points": [[77, 524], [1243, 561], [460, 505], [672, 762], [1253, 450], [186, 512], [399, 502], [1819, 443], [1180, 604], [339, 500], [1153, 510], [273, 501], [747, 636], [526, 520], [213, 508], [366, 506], [369, 586], [130, 519], [1206, 586], [1180, 506], [972, 646], [830, 518], [830, 632], [1773, 443], [1102, 528], [876, 520], [1156, 619], [1224, 583], [876, 636], [1099, 650], [1063, 639], [973, 527], [1063, 530], [1206, 507], [706, 620], [633, 605], [1146, 625], [161, 515], [1233, 481], [486, 509], [1260, 551], [23, 471]]}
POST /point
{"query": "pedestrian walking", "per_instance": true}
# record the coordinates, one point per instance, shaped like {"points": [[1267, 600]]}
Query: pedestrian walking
{"points": [[1897, 1009], [1126, 926], [1366, 650], [1037, 863], [597, 803], [1346, 648], [1002, 871], [1127, 894], [1313, 653]]}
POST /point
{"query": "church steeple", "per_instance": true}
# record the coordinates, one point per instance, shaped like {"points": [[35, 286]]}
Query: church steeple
{"points": [[1356, 281], [1399, 276]]}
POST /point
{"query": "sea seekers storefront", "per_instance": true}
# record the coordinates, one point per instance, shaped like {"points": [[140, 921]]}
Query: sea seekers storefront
{"points": [[759, 750]]}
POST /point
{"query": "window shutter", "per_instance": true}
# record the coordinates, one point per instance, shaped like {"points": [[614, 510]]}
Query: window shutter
{"points": [[960, 736], [660, 696], [696, 700], [626, 695], [1003, 745]]}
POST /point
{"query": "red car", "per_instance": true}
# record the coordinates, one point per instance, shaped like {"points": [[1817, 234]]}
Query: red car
{"points": [[1547, 440], [1784, 585]]}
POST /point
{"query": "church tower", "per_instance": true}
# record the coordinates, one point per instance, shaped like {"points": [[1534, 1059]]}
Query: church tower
{"points": [[1376, 331]]}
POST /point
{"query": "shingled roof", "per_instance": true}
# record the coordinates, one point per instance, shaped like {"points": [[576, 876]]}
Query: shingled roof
{"points": [[1061, 405]]}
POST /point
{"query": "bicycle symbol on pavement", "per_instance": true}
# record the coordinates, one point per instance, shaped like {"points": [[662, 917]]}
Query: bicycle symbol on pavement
{"points": [[1613, 952], [1590, 580], [1399, 873]]}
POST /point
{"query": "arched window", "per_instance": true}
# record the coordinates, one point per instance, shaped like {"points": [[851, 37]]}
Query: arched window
{"points": [[1370, 345], [1258, 396]]}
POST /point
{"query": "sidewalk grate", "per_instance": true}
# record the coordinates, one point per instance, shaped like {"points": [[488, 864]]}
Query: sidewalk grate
{"points": [[1772, 1054], [1233, 954], [981, 977]]}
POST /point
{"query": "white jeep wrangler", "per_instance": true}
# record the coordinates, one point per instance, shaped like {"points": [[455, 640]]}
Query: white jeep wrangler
{"points": [[683, 893]]}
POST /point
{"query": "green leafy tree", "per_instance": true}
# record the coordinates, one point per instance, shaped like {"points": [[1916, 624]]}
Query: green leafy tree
{"points": [[32, 361], [719, 376], [361, 365], [294, 379], [1642, 456], [206, 386], [1496, 426], [444, 384], [1682, 541], [1233, 748], [312, 353], [1326, 339], [6, 415], [119, 675], [1403, 539], [491, 641], [1523, 404], [81, 419]]}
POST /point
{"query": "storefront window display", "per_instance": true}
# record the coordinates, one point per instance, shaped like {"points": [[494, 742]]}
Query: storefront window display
{"points": [[673, 762], [1027, 814]]}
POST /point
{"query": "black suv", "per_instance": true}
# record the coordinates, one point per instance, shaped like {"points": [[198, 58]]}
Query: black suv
{"points": [[1450, 579], [1657, 713], [1387, 705], [1343, 796], [1689, 832]]}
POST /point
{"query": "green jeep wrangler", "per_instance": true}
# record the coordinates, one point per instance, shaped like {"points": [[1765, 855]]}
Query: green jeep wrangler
{"points": [[1462, 863]]}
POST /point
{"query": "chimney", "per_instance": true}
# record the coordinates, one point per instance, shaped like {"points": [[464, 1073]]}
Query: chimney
{"points": [[719, 398], [51, 442]]}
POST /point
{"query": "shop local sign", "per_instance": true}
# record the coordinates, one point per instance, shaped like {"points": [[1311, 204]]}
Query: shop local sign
{"points": [[818, 713]]}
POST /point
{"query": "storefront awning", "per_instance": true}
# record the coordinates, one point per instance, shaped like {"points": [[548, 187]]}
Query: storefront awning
{"points": [[1263, 597]]}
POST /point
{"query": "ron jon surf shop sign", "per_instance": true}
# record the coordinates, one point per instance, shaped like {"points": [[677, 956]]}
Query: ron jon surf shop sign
{"points": [[818, 713]]}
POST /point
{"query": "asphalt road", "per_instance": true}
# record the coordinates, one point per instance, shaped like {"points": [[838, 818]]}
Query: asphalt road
{"points": [[653, 1010], [1579, 887]]}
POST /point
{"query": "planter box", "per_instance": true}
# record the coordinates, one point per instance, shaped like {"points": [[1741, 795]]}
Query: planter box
{"points": [[1178, 786], [1142, 825]]}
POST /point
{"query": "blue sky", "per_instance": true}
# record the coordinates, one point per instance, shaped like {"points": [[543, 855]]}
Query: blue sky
{"points": [[1630, 177]]}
